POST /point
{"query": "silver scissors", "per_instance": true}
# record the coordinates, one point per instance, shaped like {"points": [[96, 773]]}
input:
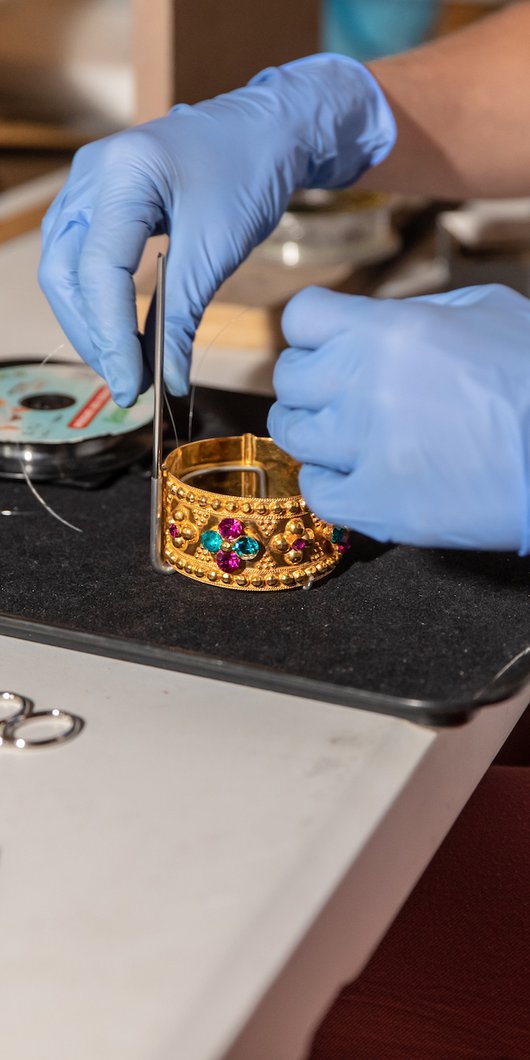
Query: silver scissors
{"points": [[17, 713]]}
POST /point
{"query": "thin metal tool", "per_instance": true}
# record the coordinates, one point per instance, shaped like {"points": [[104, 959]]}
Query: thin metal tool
{"points": [[155, 537]]}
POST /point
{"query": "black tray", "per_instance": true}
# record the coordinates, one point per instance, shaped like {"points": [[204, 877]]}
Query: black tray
{"points": [[425, 635]]}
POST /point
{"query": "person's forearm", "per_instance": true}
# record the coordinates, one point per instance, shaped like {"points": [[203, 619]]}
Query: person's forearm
{"points": [[462, 106]]}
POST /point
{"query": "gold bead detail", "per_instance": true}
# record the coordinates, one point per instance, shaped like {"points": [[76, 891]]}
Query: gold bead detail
{"points": [[295, 526], [294, 556], [280, 543], [278, 522]]}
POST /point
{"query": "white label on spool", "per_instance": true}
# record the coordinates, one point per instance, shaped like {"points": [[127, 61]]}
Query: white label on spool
{"points": [[58, 403]]}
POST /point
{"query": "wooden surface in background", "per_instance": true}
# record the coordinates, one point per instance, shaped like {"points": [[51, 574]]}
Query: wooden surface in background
{"points": [[152, 57], [218, 47], [39, 136], [25, 221], [184, 52], [246, 311]]}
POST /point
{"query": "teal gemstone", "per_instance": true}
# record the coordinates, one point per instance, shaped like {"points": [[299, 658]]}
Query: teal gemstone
{"points": [[211, 540], [247, 547], [339, 534]]}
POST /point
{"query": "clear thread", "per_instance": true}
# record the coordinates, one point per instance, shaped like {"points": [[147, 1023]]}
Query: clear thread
{"points": [[226, 325], [29, 483], [41, 500]]}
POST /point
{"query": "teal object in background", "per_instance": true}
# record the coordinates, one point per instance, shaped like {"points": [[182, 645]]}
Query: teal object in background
{"points": [[365, 29]]}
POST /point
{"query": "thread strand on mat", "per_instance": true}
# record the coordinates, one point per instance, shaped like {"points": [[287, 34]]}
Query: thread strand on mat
{"points": [[41, 500], [24, 469]]}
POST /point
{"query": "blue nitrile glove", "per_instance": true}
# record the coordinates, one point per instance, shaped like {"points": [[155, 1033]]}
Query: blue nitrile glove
{"points": [[217, 177], [411, 418]]}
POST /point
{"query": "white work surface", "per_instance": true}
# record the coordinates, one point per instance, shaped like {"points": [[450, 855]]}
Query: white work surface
{"points": [[202, 848], [206, 863]]}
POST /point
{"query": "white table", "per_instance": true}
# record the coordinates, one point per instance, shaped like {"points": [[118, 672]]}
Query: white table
{"points": [[205, 858]]}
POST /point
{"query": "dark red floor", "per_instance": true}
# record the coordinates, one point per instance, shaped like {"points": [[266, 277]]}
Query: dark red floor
{"points": [[452, 977]]}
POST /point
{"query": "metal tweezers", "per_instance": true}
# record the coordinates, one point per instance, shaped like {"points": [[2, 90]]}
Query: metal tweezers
{"points": [[155, 534]]}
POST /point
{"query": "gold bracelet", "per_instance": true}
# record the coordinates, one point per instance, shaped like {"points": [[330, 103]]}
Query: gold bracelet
{"points": [[232, 516]]}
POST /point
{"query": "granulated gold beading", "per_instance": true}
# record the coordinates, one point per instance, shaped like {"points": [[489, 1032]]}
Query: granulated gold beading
{"points": [[232, 517]]}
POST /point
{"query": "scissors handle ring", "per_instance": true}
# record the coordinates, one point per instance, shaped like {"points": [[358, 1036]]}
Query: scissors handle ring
{"points": [[22, 706], [13, 728]]}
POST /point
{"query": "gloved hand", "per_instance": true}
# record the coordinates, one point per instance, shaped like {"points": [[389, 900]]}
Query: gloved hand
{"points": [[411, 418], [217, 177]]}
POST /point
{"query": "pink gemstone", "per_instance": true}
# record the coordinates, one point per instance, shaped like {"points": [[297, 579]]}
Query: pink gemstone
{"points": [[299, 544], [228, 561], [174, 531], [230, 528], [344, 548]]}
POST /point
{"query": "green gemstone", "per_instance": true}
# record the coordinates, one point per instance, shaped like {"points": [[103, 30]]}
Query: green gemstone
{"points": [[211, 540], [247, 547], [339, 535]]}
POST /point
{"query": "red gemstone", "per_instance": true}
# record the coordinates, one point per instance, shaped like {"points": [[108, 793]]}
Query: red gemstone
{"points": [[299, 544], [230, 528], [174, 531], [228, 561], [344, 548]]}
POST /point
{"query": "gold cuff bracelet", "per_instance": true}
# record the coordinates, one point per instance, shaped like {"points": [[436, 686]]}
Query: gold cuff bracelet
{"points": [[231, 515]]}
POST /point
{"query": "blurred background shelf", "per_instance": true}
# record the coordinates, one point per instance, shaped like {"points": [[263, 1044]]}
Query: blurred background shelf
{"points": [[72, 70]]}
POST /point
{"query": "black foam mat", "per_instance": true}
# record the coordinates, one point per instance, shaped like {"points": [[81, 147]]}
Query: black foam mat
{"points": [[415, 633]]}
